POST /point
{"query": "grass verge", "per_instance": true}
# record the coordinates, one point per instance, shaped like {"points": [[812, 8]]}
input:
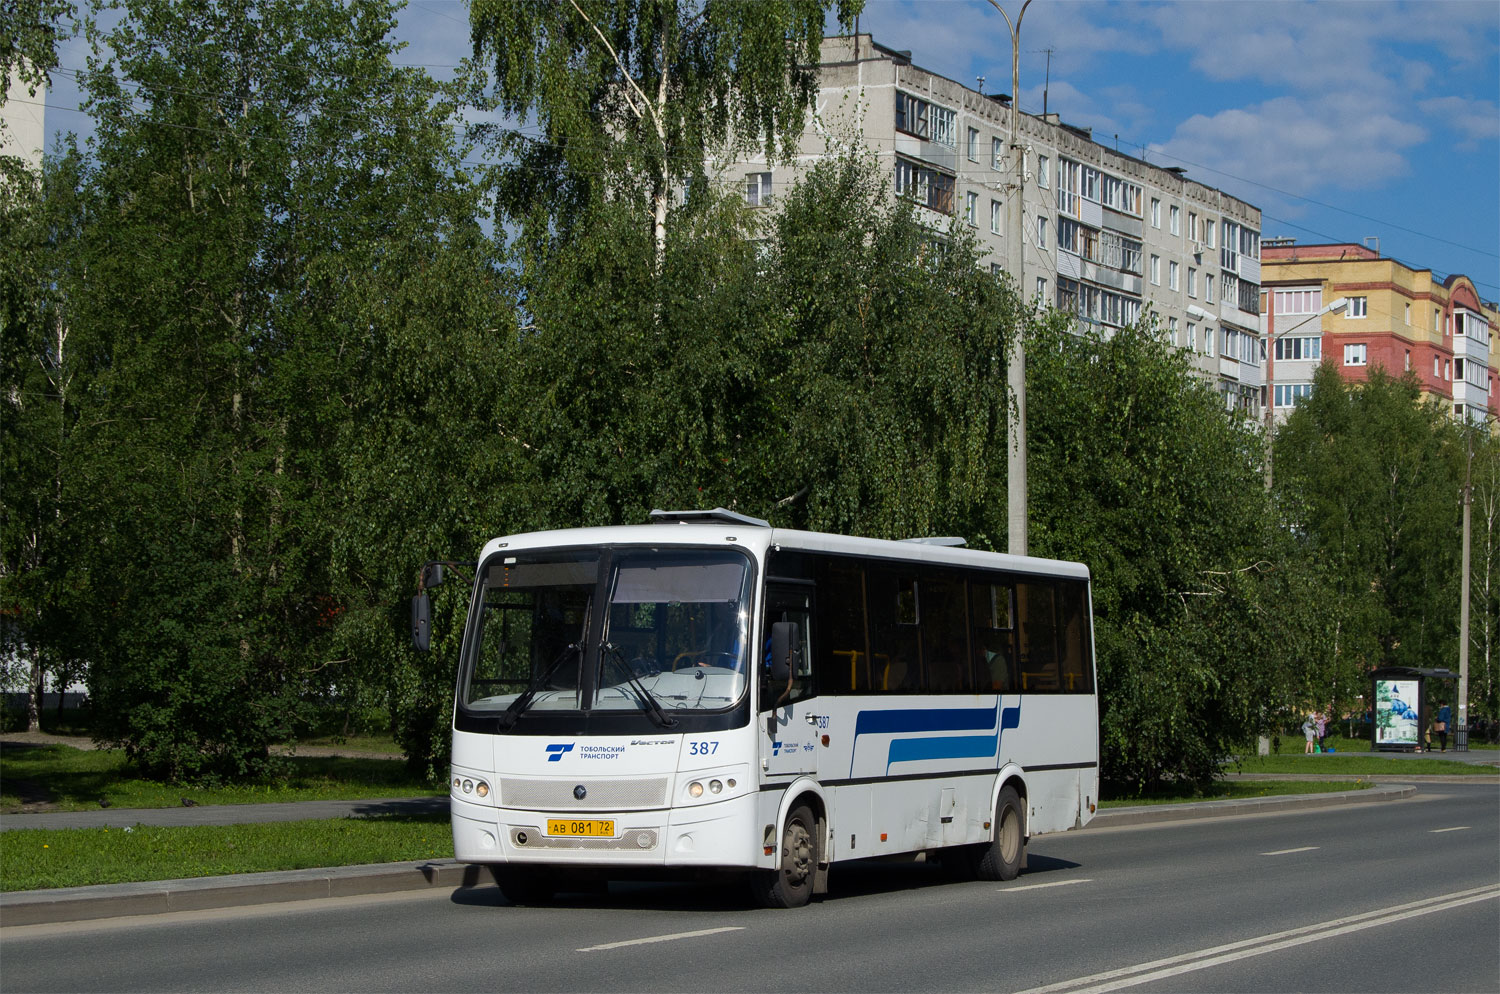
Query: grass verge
{"points": [[1357, 764], [1234, 791], [78, 780], [34, 859]]}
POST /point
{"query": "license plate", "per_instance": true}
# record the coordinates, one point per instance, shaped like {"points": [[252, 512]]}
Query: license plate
{"points": [[581, 828]]}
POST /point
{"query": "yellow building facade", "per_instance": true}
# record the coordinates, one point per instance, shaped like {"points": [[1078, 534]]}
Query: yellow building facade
{"points": [[1391, 315]]}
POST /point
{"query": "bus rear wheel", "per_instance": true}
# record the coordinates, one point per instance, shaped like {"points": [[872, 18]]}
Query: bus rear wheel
{"points": [[523, 885], [790, 885], [1003, 856]]}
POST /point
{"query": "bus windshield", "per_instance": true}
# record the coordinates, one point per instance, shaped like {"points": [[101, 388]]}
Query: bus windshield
{"points": [[674, 634]]}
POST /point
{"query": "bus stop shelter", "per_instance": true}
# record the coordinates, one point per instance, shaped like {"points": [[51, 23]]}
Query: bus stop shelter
{"points": [[1404, 710]]}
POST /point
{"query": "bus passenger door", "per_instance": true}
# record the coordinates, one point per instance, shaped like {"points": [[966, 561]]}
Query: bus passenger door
{"points": [[788, 739]]}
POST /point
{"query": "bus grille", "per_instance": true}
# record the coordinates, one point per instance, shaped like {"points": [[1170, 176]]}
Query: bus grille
{"points": [[601, 795], [634, 840]]}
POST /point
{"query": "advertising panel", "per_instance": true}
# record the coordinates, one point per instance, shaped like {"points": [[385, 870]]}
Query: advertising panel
{"points": [[1395, 712]]}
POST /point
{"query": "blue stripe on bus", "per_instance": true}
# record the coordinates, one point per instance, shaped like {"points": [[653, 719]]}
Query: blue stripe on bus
{"points": [[905, 750]]}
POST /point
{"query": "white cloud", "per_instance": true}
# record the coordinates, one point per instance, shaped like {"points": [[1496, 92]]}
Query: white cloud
{"points": [[1295, 145], [1476, 120]]}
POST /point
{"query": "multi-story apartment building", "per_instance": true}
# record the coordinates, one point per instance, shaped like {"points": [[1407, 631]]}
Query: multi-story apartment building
{"points": [[1106, 235], [22, 122], [1394, 316]]}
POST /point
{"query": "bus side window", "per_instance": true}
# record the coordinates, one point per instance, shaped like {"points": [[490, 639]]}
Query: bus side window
{"points": [[794, 606], [945, 635], [846, 666], [1037, 625], [896, 666], [1077, 667], [994, 636]]}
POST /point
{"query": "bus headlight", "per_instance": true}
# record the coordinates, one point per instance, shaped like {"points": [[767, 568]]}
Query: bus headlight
{"points": [[468, 786], [695, 789], [482, 789], [715, 786]]}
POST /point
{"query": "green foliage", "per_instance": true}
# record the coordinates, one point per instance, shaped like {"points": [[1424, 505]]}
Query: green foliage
{"points": [[282, 323], [1368, 476], [1136, 471], [632, 97]]}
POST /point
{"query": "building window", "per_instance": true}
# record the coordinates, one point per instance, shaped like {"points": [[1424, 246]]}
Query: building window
{"points": [[1355, 355], [1408, 363], [1193, 227], [1121, 195], [1068, 178], [1043, 171], [1308, 301], [916, 116], [1290, 394], [1208, 288], [1448, 369], [1156, 270], [973, 145], [1172, 276], [758, 189], [1208, 230], [928, 187], [1437, 367], [1208, 339], [1172, 330], [996, 154], [1358, 307], [1174, 215], [1192, 282], [1437, 319], [1249, 296], [1041, 232], [1299, 348], [1155, 213], [1041, 288], [971, 209], [1408, 314], [995, 217], [1192, 336]]}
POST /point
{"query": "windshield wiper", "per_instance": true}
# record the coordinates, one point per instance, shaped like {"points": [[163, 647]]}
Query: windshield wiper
{"points": [[647, 702], [507, 718]]}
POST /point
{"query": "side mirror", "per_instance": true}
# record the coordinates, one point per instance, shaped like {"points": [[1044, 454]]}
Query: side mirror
{"points": [[421, 621], [786, 644]]}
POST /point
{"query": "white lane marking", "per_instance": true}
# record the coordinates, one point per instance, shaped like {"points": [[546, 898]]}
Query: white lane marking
{"points": [[1142, 973], [662, 938], [1058, 883], [1456, 828], [1287, 852]]}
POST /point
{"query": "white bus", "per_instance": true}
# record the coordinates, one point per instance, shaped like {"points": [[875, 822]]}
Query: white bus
{"points": [[707, 693]]}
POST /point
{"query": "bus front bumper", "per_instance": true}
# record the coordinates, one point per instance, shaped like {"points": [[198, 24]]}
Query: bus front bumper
{"points": [[720, 833]]}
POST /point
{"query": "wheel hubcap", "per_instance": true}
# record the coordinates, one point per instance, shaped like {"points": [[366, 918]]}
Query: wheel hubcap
{"points": [[1010, 836], [796, 853]]}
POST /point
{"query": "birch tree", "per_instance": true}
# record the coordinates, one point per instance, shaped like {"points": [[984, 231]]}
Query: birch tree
{"points": [[628, 97]]}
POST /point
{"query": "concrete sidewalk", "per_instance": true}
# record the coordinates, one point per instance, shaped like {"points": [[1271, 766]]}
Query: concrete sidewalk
{"points": [[68, 904]]}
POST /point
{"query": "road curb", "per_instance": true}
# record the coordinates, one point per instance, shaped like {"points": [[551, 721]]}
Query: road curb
{"points": [[1151, 813], [69, 904]]}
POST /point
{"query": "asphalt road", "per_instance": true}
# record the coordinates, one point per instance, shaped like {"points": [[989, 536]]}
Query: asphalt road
{"points": [[1396, 896]]}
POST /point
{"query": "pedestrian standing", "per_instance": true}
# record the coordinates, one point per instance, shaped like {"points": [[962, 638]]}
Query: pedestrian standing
{"points": [[1445, 714], [1322, 727], [1309, 729]]}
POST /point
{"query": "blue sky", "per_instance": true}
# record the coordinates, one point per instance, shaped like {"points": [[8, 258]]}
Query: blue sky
{"points": [[1339, 119]]}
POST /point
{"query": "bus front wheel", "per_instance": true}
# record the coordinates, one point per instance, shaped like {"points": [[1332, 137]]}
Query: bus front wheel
{"points": [[1002, 857], [790, 885]]}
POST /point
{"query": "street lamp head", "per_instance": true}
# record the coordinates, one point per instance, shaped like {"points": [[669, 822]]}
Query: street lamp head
{"points": [[1337, 305], [1194, 311]]}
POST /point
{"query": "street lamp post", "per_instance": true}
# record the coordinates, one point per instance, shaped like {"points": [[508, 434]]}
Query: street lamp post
{"points": [[1332, 308], [1015, 366]]}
